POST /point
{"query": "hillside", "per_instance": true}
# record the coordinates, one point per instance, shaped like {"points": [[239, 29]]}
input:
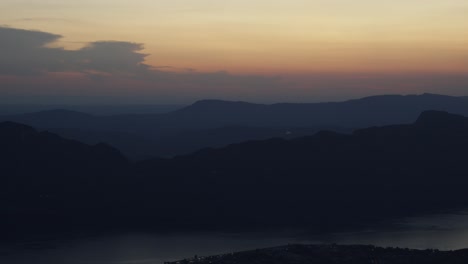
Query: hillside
{"points": [[334, 254], [48, 182]]}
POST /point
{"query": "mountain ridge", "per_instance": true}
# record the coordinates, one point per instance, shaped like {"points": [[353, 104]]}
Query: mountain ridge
{"points": [[212, 123]]}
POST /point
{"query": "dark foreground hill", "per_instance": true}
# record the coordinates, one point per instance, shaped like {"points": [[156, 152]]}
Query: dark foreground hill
{"points": [[323, 179], [324, 182], [33, 161], [214, 123], [45, 179], [334, 254]]}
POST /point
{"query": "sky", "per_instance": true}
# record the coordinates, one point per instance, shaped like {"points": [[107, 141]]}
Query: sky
{"points": [[179, 51]]}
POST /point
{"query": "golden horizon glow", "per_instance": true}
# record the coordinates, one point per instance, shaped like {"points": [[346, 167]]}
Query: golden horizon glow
{"points": [[266, 37]]}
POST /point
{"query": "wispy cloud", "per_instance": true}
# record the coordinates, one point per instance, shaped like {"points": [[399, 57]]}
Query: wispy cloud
{"points": [[47, 19]]}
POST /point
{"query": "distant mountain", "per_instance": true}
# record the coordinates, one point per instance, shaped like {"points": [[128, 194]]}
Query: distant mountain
{"points": [[369, 111], [95, 109], [214, 123]]}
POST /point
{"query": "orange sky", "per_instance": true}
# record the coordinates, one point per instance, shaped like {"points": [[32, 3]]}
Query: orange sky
{"points": [[260, 36], [257, 50]]}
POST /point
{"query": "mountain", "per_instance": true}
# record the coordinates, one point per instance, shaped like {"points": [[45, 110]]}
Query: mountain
{"points": [[373, 173], [40, 151], [214, 123], [43, 163], [45, 177], [326, 181], [369, 111]]}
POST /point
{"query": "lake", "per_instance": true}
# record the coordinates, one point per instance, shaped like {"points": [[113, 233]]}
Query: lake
{"points": [[439, 231]]}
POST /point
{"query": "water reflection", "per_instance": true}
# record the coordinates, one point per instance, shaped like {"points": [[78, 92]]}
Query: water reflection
{"points": [[441, 231], [141, 248], [445, 232]]}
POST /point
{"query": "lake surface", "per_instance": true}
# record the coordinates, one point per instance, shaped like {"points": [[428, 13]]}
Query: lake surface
{"points": [[440, 231]]}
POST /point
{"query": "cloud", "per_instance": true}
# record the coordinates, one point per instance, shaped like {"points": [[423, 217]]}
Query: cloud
{"points": [[25, 52], [111, 57], [29, 65]]}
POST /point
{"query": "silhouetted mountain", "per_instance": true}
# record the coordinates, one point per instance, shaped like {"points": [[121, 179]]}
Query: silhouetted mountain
{"points": [[23, 143], [133, 146], [42, 162], [45, 177], [325, 178], [214, 123], [325, 181]]}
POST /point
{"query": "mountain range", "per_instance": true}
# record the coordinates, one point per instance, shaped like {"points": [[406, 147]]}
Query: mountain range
{"points": [[322, 181], [215, 123]]}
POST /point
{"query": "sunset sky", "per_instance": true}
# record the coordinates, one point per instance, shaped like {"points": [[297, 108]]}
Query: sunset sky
{"points": [[256, 50]]}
